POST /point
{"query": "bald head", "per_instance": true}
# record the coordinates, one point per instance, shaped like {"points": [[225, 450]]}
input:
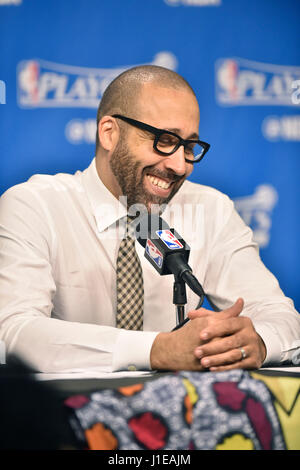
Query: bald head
{"points": [[122, 95]]}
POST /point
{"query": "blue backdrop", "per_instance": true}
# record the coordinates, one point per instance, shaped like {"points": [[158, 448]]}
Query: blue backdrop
{"points": [[241, 57]]}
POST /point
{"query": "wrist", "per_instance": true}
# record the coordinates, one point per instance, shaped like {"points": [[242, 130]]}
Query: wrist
{"points": [[159, 352]]}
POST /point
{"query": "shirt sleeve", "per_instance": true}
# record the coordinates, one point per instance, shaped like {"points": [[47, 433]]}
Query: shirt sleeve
{"points": [[235, 270], [46, 344]]}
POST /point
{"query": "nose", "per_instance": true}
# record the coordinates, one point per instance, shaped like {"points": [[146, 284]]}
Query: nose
{"points": [[176, 162]]}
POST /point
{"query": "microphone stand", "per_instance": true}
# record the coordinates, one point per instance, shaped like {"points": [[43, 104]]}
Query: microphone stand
{"points": [[179, 298], [179, 295]]}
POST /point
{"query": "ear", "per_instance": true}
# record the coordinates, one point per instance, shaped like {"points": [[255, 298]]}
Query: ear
{"points": [[108, 132]]}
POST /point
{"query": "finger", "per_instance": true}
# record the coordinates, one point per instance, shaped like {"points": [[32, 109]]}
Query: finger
{"points": [[233, 356], [252, 360], [232, 311], [237, 365], [217, 346], [222, 328], [201, 312]]}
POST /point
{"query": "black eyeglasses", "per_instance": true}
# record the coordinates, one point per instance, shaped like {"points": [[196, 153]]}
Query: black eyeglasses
{"points": [[167, 142]]}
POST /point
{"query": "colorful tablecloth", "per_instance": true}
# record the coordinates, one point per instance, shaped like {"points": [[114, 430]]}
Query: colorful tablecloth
{"points": [[190, 410]]}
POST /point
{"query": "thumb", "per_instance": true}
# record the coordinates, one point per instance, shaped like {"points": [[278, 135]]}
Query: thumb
{"points": [[229, 312], [234, 310]]}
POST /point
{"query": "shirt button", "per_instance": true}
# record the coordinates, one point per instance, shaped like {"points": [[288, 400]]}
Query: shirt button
{"points": [[132, 367]]}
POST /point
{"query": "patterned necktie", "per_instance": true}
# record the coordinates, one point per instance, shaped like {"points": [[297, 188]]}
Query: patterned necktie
{"points": [[130, 287]]}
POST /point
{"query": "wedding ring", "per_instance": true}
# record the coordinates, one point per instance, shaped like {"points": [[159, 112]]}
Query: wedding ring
{"points": [[244, 355]]}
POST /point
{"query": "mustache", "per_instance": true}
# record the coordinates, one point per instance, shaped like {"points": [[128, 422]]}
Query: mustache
{"points": [[169, 175]]}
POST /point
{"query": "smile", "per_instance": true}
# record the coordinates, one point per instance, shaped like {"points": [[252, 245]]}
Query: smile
{"points": [[159, 182]]}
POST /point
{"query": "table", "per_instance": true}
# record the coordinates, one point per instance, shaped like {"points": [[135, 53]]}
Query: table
{"points": [[184, 411], [188, 410]]}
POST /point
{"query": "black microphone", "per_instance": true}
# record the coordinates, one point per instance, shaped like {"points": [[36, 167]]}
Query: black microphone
{"points": [[166, 250]]}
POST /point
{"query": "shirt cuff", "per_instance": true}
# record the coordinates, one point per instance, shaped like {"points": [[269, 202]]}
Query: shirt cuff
{"points": [[272, 343], [132, 350]]}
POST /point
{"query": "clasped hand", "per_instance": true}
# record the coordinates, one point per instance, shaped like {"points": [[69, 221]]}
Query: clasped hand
{"points": [[229, 341], [210, 340]]}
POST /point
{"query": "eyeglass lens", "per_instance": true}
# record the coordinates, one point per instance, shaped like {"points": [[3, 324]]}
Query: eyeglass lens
{"points": [[167, 143]]}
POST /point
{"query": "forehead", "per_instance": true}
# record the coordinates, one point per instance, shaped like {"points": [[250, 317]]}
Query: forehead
{"points": [[169, 108]]}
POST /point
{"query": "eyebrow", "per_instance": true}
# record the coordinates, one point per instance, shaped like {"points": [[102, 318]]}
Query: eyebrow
{"points": [[194, 135]]}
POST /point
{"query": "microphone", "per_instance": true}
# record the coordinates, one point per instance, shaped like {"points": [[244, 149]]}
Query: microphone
{"points": [[166, 250]]}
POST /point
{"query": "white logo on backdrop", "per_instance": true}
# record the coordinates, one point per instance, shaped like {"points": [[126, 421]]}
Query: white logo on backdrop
{"points": [[2, 92], [276, 128], [244, 82], [256, 211], [193, 3], [47, 84], [10, 2], [296, 92], [81, 131]]}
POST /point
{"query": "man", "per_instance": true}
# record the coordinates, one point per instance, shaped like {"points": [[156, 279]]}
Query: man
{"points": [[59, 251]]}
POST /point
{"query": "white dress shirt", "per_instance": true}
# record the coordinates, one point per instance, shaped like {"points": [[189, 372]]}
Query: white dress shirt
{"points": [[58, 251]]}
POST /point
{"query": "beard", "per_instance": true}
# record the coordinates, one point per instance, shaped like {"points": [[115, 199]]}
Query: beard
{"points": [[130, 174]]}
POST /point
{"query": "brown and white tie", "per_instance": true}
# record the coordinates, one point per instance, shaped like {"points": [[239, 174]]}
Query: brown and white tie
{"points": [[130, 285]]}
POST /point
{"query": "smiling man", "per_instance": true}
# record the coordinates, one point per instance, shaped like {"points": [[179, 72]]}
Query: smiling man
{"points": [[61, 237], [137, 169]]}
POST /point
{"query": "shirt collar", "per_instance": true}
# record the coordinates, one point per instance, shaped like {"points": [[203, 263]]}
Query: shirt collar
{"points": [[107, 209]]}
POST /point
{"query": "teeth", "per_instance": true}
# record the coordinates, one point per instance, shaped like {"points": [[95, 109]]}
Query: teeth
{"points": [[158, 182]]}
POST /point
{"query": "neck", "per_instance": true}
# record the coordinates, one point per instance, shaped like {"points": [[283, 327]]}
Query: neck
{"points": [[106, 176]]}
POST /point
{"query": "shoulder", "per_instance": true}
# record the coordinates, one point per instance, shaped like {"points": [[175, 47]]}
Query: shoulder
{"points": [[209, 197], [39, 201], [44, 187], [199, 210]]}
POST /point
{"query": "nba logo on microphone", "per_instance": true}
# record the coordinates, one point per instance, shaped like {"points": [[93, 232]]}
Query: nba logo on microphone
{"points": [[169, 239], [154, 253]]}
